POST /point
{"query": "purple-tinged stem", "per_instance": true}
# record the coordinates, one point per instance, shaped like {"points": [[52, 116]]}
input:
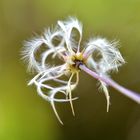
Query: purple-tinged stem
{"points": [[132, 95]]}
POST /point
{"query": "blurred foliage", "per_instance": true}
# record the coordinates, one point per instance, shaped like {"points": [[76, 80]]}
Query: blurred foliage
{"points": [[25, 116]]}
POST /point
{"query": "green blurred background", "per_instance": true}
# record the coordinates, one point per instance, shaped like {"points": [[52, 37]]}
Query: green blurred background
{"points": [[26, 116]]}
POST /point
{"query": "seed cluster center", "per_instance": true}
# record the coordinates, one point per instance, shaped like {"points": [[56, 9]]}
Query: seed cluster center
{"points": [[74, 61]]}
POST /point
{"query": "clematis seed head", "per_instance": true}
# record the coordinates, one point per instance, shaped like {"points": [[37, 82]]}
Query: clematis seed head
{"points": [[62, 43]]}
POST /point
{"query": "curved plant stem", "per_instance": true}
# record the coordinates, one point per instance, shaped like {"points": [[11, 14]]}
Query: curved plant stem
{"points": [[132, 95]]}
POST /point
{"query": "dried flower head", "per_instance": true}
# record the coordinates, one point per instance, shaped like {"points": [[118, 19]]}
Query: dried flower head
{"points": [[97, 57]]}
